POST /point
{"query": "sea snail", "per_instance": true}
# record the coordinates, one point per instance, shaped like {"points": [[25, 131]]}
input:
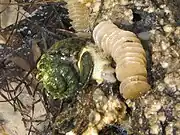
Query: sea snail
{"points": [[59, 72], [129, 56]]}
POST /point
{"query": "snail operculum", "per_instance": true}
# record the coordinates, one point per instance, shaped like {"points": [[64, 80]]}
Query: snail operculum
{"points": [[85, 65], [58, 70]]}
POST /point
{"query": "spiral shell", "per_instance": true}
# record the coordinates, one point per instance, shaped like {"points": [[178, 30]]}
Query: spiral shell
{"points": [[79, 14], [129, 55], [59, 77], [58, 70]]}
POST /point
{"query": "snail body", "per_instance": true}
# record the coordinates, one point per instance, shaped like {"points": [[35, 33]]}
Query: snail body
{"points": [[79, 14], [129, 56], [102, 70]]}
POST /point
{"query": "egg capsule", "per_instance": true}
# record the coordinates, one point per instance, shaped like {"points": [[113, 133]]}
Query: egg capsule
{"points": [[79, 14], [128, 69], [129, 55], [134, 86]]}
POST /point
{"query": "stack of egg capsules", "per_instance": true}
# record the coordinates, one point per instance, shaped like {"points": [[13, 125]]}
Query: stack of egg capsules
{"points": [[128, 53], [79, 14]]}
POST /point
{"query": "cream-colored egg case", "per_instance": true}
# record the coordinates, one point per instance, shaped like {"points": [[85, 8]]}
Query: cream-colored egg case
{"points": [[128, 53]]}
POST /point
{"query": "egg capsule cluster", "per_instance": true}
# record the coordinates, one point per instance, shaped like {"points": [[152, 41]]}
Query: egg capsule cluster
{"points": [[79, 14], [86, 2], [129, 56]]}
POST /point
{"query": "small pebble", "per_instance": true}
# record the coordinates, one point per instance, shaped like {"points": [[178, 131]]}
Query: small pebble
{"points": [[154, 129], [144, 35], [168, 28], [164, 64]]}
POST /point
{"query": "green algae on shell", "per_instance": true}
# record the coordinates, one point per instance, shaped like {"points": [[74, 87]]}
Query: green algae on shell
{"points": [[58, 70]]}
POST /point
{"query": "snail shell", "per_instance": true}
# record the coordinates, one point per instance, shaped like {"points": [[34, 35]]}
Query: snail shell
{"points": [[58, 70], [79, 14], [129, 55], [59, 78]]}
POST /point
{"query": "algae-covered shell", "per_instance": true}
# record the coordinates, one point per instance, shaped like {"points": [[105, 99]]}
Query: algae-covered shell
{"points": [[128, 53], [58, 70], [59, 78]]}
